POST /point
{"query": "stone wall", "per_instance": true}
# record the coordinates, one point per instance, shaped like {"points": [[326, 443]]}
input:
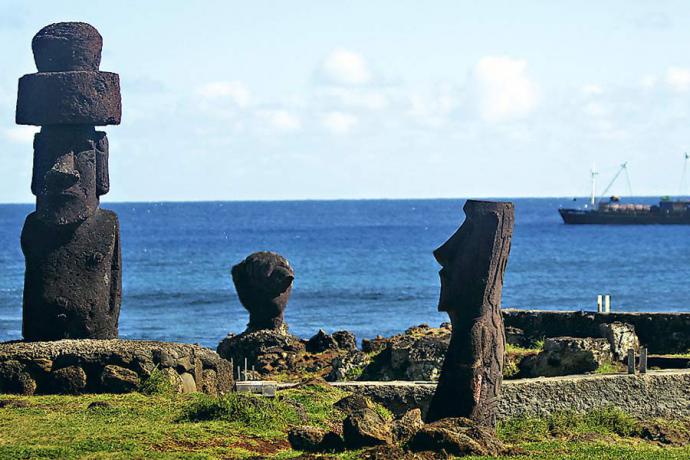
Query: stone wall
{"points": [[108, 366], [656, 394], [661, 333]]}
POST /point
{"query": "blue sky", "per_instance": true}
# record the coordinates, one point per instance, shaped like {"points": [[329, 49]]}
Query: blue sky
{"points": [[361, 99]]}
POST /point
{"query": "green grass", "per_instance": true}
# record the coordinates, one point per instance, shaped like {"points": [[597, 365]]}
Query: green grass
{"points": [[239, 426], [611, 368]]}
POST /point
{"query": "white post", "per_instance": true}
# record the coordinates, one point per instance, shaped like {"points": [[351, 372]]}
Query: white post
{"points": [[607, 303], [631, 361], [599, 303]]}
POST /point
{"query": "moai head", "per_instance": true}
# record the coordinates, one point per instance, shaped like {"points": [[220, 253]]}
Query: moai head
{"points": [[264, 282], [70, 173], [474, 256], [68, 97]]}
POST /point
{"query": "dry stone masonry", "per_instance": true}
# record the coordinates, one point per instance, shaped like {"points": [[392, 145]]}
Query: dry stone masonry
{"points": [[72, 286]]}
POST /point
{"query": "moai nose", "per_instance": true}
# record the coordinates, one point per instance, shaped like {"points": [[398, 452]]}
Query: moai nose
{"points": [[62, 175]]}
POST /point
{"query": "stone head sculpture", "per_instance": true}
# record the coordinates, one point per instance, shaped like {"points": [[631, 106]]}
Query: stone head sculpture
{"points": [[264, 282], [473, 262], [475, 256], [72, 286]]}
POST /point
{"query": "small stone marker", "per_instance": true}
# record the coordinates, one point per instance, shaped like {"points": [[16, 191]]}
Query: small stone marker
{"points": [[643, 360], [631, 361]]}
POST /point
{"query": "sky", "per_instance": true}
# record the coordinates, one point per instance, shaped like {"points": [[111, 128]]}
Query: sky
{"points": [[260, 100]]}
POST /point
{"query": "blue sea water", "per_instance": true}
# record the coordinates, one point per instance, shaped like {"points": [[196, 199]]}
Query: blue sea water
{"points": [[365, 266]]}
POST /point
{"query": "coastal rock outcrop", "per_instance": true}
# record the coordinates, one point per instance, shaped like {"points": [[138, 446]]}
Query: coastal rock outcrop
{"points": [[474, 261], [72, 286], [108, 366]]}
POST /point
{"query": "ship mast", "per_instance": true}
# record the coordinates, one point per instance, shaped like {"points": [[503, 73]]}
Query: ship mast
{"points": [[682, 189], [594, 173]]}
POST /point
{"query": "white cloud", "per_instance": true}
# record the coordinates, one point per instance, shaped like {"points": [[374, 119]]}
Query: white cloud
{"points": [[648, 81], [346, 68], [281, 120], [358, 98], [505, 90], [592, 89], [21, 134], [678, 78], [339, 122], [236, 91]]}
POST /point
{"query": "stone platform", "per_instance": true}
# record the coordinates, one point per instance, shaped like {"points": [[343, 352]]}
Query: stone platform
{"points": [[655, 394], [108, 366]]}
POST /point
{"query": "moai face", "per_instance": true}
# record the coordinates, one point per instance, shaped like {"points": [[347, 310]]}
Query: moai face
{"points": [[264, 282], [70, 173], [468, 258]]}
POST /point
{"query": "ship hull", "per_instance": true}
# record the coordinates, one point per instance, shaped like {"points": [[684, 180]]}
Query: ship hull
{"points": [[580, 217]]}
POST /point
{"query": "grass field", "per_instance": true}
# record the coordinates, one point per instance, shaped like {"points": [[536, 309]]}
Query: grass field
{"points": [[167, 426]]}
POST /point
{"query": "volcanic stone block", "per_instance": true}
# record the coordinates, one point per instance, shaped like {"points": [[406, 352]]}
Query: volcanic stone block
{"points": [[69, 98], [264, 282], [67, 46], [474, 261]]}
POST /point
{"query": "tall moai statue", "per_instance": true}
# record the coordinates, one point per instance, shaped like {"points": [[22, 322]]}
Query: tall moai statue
{"points": [[474, 261], [73, 282]]}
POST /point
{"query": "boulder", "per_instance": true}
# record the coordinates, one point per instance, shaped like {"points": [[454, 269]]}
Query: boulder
{"points": [[68, 380], [306, 438], [188, 383], [348, 366], [516, 337], [407, 426], [366, 428], [457, 436], [321, 342], [566, 356], [621, 337], [268, 350], [353, 403], [346, 340], [14, 379], [116, 379]]}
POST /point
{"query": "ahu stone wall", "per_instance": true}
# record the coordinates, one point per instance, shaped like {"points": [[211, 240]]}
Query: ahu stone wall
{"points": [[655, 394]]}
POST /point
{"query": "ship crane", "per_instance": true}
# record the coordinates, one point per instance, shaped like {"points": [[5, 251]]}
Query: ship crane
{"points": [[623, 168]]}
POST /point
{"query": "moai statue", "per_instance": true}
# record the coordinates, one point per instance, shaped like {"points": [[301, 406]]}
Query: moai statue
{"points": [[73, 284], [474, 260], [264, 282]]}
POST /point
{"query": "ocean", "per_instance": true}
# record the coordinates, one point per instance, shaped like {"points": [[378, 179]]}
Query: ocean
{"points": [[365, 266]]}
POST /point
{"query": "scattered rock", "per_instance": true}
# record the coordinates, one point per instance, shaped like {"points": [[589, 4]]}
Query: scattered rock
{"points": [[353, 403], [306, 438], [349, 366], [457, 436], [395, 453], [665, 434], [407, 426], [269, 351], [321, 342], [98, 405], [346, 340], [116, 379], [375, 345], [516, 336], [13, 403], [621, 337], [332, 442], [365, 428], [566, 356]]}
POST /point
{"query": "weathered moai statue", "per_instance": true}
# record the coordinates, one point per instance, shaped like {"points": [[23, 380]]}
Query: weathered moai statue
{"points": [[72, 286], [264, 282], [474, 260]]}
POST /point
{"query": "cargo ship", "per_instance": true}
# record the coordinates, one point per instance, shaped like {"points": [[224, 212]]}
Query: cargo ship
{"points": [[613, 212]]}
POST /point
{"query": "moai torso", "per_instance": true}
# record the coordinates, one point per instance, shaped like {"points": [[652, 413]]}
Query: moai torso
{"points": [[72, 285], [474, 261]]}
